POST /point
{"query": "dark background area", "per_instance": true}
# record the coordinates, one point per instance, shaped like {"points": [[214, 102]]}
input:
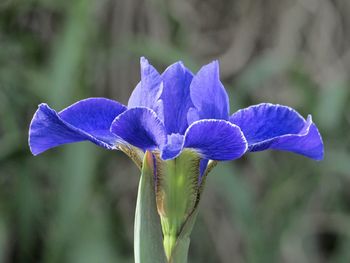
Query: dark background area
{"points": [[76, 203]]}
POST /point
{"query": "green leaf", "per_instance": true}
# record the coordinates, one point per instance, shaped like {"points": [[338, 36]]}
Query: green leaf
{"points": [[180, 252], [148, 240]]}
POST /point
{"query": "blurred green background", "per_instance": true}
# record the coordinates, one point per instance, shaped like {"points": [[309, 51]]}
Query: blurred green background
{"points": [[76, 203]]}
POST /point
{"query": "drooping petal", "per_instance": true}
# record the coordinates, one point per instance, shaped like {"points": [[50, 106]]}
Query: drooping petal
{"points": [[268, 126], [308, 142], [208, 95], [176, 97], [93, 115], [140, 127], [87, 119], [217, 140], [173, 147], [148, 91]]}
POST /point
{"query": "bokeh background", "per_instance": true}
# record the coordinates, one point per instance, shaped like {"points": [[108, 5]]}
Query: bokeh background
{"points": [[76, 203]]}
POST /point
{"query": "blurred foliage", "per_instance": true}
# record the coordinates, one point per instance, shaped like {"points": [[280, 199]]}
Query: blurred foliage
{"points": [[76, 203]]}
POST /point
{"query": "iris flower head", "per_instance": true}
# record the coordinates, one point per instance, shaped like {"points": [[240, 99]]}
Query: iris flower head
{"points": [[184, 121], [173, 111]]}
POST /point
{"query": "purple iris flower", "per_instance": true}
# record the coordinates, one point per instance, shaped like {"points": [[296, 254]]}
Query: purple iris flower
{"points": [[175, 110]]}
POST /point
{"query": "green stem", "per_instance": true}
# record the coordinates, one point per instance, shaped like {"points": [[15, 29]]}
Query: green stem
{"points": [[169, 244]]}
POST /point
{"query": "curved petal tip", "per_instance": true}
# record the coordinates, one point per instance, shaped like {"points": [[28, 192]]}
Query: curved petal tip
{"points": [[269, 126]]}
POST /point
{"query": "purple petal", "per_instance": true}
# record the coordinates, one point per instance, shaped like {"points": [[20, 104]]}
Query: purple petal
{"points": [[176, 97], [202, 167], [208, 95], [268, 126], [216, 139], [87, 119], [173, 146], [148, 91], [140, 127], [308, 142], [192, 115]]}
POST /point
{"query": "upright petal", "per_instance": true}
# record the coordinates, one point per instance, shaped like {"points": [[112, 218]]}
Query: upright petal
{"points": [[148, 91], [208, 95], [217, 140], [87, 119], [176, 97], [268, 126], [140, 127]]}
